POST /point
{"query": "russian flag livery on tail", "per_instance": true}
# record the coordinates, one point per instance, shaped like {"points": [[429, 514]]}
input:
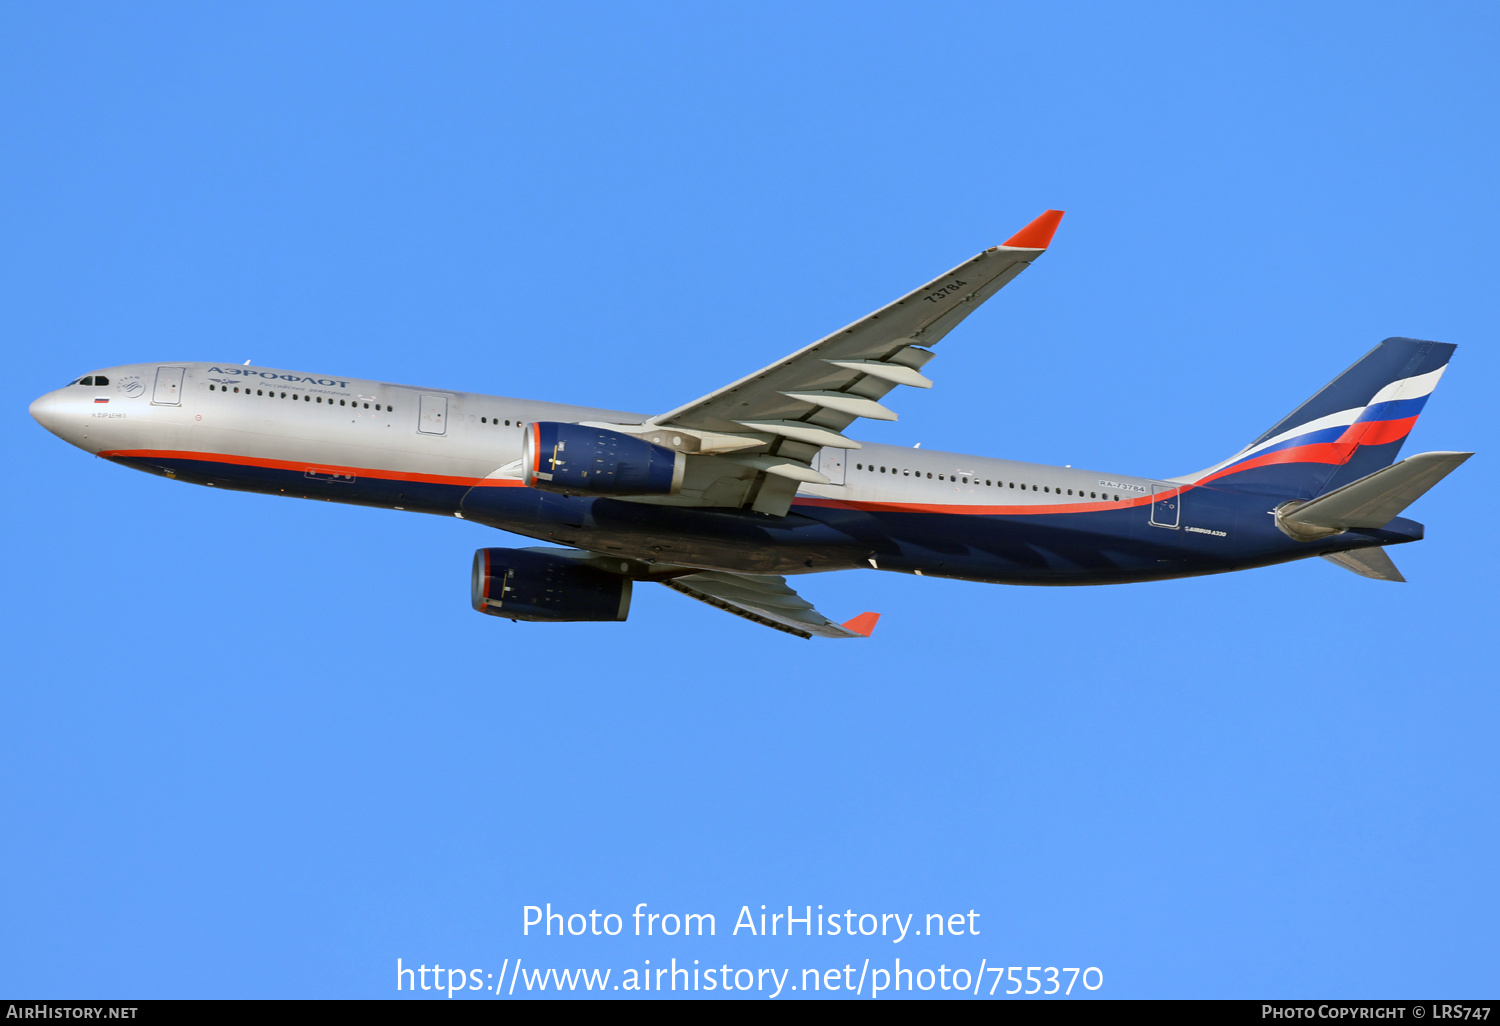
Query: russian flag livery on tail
{"points": [[1351, 428], [725, 497]]}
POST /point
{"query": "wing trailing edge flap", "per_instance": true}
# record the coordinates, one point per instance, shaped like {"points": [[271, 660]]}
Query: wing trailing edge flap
{"points": [[769, 602], [1373, 501]]}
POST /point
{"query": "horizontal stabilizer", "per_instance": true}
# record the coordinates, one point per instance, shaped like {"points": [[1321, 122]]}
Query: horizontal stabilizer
{"points": [[1372, 501], [1371, 563]]}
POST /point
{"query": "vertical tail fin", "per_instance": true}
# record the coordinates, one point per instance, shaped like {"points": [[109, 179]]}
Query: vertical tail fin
{"points": [[1351, 428]]}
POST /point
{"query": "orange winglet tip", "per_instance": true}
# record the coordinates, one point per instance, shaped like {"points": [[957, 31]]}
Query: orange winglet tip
{"points": [[864, 624], [1037, 234]]}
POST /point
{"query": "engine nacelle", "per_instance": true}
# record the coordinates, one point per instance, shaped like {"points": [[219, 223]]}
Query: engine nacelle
{"points": [[523, 585], [578, 460]]}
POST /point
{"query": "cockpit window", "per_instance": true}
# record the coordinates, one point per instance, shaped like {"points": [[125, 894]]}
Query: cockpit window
{"points": [[100, 379], [85, 381]]}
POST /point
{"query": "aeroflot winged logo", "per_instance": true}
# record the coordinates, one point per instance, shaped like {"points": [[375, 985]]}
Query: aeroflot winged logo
{"points": [[250, 372]]}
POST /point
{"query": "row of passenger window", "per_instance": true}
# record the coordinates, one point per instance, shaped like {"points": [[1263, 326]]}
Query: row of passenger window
{"points": [[272, 393], [956, 478], [496, 422]]}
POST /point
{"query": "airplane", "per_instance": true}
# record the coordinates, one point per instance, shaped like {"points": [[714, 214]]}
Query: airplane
{"points": [[724, 497]]}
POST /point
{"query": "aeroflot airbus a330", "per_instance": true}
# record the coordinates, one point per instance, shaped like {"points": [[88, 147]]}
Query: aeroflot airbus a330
{"points": [[719, 497]]}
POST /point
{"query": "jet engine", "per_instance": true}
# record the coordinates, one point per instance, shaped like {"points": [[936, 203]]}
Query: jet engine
{"points": [[574, 459], [524, 584]]}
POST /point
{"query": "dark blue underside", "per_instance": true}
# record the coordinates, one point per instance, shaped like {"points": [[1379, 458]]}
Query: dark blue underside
{"points": [[1106, 546]]}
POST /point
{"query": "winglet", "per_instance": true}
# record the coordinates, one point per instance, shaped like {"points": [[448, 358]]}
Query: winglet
{"points": [[1037, 234], [863, 624]]}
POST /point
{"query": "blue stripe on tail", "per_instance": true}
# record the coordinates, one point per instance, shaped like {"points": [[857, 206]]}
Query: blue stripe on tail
{"points": [[1348, 433]]}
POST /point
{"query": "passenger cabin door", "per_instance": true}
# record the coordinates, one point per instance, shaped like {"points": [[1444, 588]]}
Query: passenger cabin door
{"points": [[1165, 501], [434, 420], [168, 387]]}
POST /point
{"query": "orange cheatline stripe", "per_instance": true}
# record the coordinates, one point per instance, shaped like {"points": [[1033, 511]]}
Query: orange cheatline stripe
{"points": [[297, 466], [1336, 453], [979, 509]]}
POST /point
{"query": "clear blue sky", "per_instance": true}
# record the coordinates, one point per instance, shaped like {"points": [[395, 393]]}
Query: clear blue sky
{"points": [[257, 747]]}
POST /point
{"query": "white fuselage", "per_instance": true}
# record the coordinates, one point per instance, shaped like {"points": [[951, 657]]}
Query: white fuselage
{"points": [[363, 427]]}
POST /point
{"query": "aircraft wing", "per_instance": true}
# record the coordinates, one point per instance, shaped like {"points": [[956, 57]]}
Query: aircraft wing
{"points": [[768, 601], [779, 417]]}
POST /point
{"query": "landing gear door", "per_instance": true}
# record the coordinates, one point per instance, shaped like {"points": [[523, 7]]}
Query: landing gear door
{"points": [[1165, 506], [434, 420], [830, 463], [168, 387]]}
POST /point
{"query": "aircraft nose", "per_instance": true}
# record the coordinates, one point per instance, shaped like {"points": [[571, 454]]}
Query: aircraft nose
{"points": [[39, 408], [47, 412]]}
